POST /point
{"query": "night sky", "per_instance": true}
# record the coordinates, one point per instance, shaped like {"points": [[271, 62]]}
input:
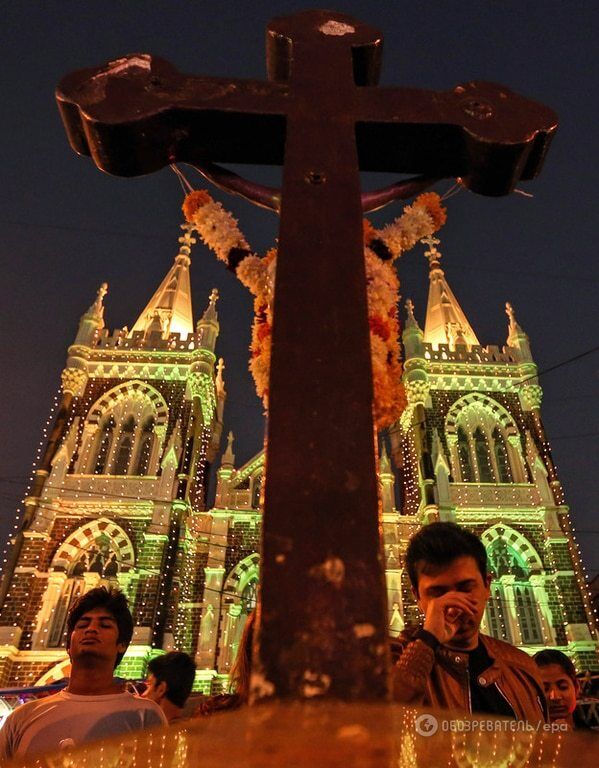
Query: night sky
{"points": [[66, 227]]}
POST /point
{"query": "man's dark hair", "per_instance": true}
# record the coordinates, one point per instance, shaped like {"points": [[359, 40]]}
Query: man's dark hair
{"points": [[437, 545], [177, 670], [113, 601], [553, 656]]}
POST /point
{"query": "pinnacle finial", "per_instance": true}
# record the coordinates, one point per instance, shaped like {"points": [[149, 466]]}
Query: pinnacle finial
{"points": [[186, 241], [432, 253], [510, 312], [411, 321], [219, 381], [384, 464], [210, 313], [228, 459], [97, 308]]}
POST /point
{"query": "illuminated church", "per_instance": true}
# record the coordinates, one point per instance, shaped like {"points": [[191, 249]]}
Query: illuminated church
{"points": [[120, 495]]}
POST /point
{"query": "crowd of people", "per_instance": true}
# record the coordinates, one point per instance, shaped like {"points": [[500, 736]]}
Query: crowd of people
{"points": [[446, 663]]}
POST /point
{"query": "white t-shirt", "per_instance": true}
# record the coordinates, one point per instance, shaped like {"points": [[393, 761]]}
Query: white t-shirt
{"points": [[66, 720]]}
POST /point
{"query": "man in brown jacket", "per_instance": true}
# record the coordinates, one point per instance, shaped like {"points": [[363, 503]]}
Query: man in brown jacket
{"points": [[448, 663]]}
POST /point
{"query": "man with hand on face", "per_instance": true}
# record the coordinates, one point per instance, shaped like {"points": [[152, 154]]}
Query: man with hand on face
{"points": [[94, 705], [448, 663]]}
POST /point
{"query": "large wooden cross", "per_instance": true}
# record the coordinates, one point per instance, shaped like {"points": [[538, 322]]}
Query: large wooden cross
{"points": [[323, 619]]}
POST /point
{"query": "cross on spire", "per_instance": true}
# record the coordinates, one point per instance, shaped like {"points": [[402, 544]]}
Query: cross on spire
{"points": [[186, 241], [432, 254]]}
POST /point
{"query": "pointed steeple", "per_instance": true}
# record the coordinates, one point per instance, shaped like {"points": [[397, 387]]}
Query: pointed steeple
{"points": [[93, 319], [411, 321], [228, 458], [208, 327], [384, 464], [169, 309], [446, 322], [210, 315], [516, 337], [386, 480]]}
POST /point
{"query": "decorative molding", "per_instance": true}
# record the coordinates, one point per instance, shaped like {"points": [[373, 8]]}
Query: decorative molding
{"points": [[73, 381], [201, 385], [531, 396], [417, 391]]}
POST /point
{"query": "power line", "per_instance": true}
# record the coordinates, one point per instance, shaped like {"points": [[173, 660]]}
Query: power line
{"points": [[558, 365]]}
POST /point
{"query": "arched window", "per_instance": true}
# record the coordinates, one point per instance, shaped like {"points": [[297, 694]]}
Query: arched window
{"points": [[146, 441], [123, 451], [504, 471], [479, 427], [93, 555], [104, 443], [464, 454], [72, 589], [526, 611], [511, 584], [496, 620], [483, 459], [248, 596]]}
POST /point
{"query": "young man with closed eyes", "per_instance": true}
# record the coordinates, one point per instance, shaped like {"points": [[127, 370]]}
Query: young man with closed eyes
{"points": [[94, 705], [447, 663]]}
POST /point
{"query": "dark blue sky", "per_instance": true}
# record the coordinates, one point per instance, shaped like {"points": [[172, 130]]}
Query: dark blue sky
{"points": [[65, 227]]}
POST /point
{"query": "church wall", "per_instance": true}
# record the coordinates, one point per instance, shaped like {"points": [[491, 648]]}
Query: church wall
{"points": [[243, 540]]}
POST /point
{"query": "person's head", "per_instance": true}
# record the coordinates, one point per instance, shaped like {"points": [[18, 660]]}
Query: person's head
{"points": [[170, 676], [99, 626], [441, 558], [559, 681]]}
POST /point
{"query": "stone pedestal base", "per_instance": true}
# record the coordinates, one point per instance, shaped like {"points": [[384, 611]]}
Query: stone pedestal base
{"points": [[335, 735]]}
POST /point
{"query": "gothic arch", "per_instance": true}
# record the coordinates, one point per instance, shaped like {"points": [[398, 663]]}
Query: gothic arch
{"points": [[241, 575], [484, 441], [516, 541], [516, 610], [116, 439], [238, 590], [477, 400], [85, 537], [126, 391]]}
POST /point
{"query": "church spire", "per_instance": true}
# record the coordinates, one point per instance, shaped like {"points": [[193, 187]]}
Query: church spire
{"points": [[169, 309], [446, 322]]}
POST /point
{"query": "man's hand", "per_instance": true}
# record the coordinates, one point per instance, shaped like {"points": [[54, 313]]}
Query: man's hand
{"points": [[445, 614]]}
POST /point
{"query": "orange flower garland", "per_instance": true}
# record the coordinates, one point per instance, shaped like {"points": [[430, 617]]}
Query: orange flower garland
{"points": [[218, 230]]}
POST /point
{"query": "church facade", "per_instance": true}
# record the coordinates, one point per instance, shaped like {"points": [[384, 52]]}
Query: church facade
{"points": [[119, 496], [119, 491]]}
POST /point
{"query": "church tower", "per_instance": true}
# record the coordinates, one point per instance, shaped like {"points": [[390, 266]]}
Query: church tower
{"points": [[122, 480], [471, 448]]}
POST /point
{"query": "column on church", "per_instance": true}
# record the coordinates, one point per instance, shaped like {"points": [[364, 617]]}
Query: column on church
{"points": [[213, 593], [509, 596], [516, 458], [54, 586], [537, 581]]}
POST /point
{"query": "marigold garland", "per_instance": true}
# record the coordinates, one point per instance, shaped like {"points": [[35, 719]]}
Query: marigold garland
{"points": [[219, 231]]}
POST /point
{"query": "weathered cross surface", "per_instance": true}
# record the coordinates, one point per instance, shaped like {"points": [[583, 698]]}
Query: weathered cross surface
{"points": [[323, 620]]}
